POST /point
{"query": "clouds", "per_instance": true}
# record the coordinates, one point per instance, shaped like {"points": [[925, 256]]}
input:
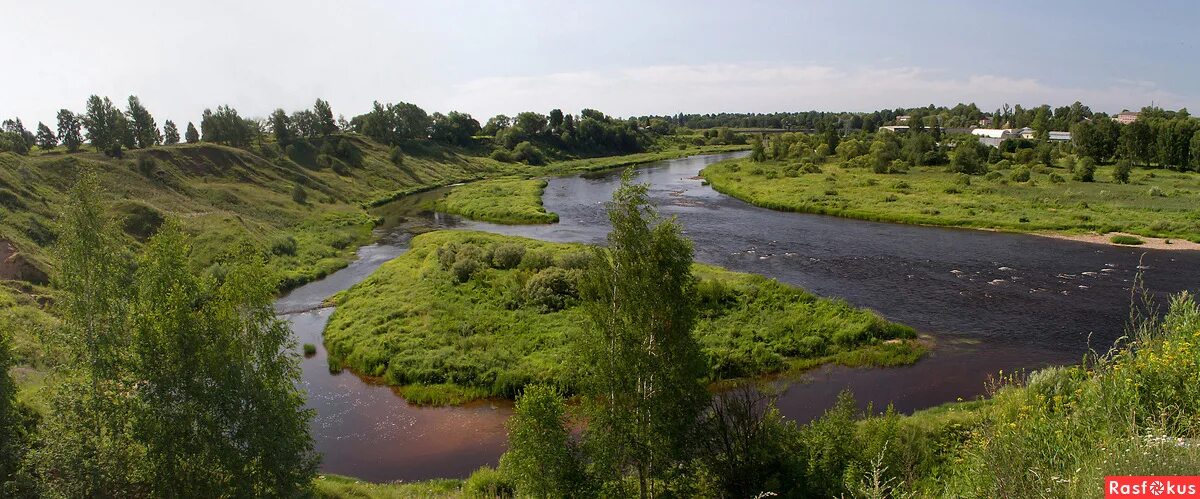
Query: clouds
{"points": [[766, 87]]}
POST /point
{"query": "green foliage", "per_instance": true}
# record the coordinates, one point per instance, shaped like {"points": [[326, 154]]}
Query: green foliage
{"points": [[138, 219], [284, 245], [487, 482], [1127, 240], [552, 289], [1021, 174], [225, 126], [170, 133], [192, 135], [16, 423], [542, 460], [508, 256], [1120, 173], [69, 128], [142, 127], [1085, 170], [105, 126], [310, 349], [299, 195], [45, 137], [409, 323], [508, 201], [1061, 204], [642, 367]]}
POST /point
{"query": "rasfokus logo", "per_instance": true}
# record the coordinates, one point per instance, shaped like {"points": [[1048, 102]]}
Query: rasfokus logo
{"points": [[1152, 486]]}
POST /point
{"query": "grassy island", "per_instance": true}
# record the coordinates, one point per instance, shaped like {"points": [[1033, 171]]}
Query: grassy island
{"points": [[505, 201], [466, 315]]}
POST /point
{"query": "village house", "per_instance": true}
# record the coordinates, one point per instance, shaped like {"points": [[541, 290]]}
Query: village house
{"points": [[1126, 117]]}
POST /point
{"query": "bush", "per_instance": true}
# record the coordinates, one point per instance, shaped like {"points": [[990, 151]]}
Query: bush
{"points": [[993, 175], [299, 195], [147, 165], [1085, 170], [552, 289], [487, 482], [508, 256], [502, 155], [1126, 240], [1156, 191], [536, 260], [962, 180], [396, 156], [529, 154], [576, 260], [1120, 172], [310, 349], [1020, 174], [303, 153], [284, 245], [464, 268], [1056, 178], [140, 220]]}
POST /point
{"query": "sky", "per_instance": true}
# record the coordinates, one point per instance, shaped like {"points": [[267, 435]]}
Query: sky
{"points": [[623, 58]]}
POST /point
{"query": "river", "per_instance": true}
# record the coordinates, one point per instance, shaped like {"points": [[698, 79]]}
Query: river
{"points": [[990, 300]]}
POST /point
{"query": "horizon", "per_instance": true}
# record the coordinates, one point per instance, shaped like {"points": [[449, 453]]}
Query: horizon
{"points": [[667, 59]]}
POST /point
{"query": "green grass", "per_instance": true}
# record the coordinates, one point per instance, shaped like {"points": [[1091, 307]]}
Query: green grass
{"points": [[411, 325], [310, 349], [505, 201], [335, 486], [1129, 240], [1157, 203]]}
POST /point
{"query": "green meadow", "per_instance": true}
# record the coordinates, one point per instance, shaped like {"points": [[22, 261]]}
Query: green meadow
{"points": [[1155, 203], [504, 200]]}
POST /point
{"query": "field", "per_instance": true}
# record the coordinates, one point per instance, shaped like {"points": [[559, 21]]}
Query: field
{"points": [[505, 201], [1156, 203], [465, 315]]}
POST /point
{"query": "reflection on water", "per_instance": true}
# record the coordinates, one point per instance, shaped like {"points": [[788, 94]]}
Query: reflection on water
{"points": [[1023, 301]]}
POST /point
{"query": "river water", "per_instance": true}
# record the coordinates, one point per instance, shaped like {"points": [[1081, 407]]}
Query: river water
{"points": [[990, 300]]}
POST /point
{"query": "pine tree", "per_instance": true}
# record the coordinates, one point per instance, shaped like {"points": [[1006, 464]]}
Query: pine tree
{"points": [[69, 130], [192, 136], [45, 138], [170, 133]]}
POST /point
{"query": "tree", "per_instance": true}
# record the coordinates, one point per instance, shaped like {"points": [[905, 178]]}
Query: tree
{"points": [[884, 150], [1121, 171], [86, 446], [105, 126], [642, 368], [170, 133], [556, 121], [281, 127], [757, 154], [324, 122], [967, 158], [220, 412], [299, 195], [1085, 170], [1041, 123], [454, 128], [1196, 151], [225, 127], [142, 127], [45, 138], [69, 130], [542, 459], [1136, 142], [16, 422], [191, 135]]}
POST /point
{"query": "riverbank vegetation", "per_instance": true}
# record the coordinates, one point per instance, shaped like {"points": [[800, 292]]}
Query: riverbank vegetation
{"points": [[505, 201], [486, 314], [1057, 432], [1019, 186]]}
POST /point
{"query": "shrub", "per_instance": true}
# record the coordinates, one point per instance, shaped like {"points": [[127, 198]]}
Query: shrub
{"points": [[1056, 178], [310, 349], [1085, 170], [284, 245], [575, 260], [502, 155], [1120, 172], [1020, 174], [464, 268], [1156, 191], [536, 260], [487, 482], [962, 180], [529, 154], [1126, 240], [396, 156], [147, 165], [552, 289], [140, 220], [303, 153], [299, 195], [508, 256], [993, 175]]}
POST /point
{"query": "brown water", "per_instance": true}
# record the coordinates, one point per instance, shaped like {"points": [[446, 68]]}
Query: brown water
{"points": [[991, 300]]}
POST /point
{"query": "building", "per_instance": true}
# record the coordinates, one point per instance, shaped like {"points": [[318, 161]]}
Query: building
{"points": [[1059, 137], [985, 122], [1126, 117], [993, 136], [903, 119], [894, 128], [1026, 133]]}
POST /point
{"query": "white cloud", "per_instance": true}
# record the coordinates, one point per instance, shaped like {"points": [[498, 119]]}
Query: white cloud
{"points": [[766, 87]]}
